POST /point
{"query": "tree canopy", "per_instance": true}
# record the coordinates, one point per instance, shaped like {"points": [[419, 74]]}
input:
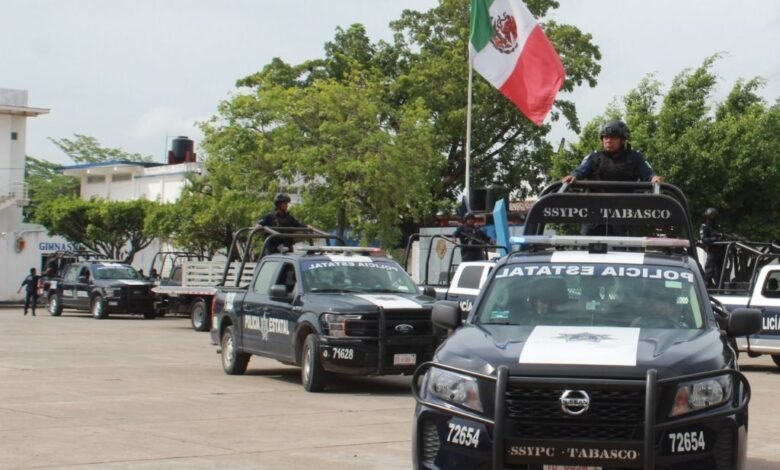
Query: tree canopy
{"points": [[372, 135], [721, 154]]}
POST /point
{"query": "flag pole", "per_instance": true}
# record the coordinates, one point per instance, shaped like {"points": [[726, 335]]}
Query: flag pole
{"points": [[468, 138]]}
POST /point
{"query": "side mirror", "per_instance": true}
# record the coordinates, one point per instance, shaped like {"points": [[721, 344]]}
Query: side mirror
{"points": [[744, 322], [446, 314], [429, 291], [279, 292]]}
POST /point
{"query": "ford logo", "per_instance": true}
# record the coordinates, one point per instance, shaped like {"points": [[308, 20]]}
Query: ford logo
{"points": [[404, 328], [575, 402]]}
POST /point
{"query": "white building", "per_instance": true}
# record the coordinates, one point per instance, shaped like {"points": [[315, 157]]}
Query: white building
{"points": [[22, 246]]}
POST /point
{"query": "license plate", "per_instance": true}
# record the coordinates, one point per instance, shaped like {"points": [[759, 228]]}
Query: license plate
{"points": [[404, 359], [569, 467]]}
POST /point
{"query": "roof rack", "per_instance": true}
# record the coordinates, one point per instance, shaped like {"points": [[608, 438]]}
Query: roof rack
{"points": [[654, 205]]}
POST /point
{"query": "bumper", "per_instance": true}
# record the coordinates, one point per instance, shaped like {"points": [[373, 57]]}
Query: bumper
{"points": [[373, 356], [446, 436]]}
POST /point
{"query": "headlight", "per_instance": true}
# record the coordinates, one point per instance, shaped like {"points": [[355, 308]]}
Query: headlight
{"points": [[336, 323], [701, 394], [454, 388]]}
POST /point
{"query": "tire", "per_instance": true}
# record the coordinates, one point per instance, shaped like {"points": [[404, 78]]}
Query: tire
{"points": [[776, 358], [233, 361], [55, 305], [150, 314], [199, 316], [313, 376], [99, 307]]}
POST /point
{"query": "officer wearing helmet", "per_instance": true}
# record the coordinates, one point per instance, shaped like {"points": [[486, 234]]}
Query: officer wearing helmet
{"points": [[709, 234], [616, 161], [472, 239], [280, 218]]}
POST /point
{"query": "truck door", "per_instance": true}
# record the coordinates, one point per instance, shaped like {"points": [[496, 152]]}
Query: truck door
{"points": [[766, 297], [69, 286], [254, 331], [280, 314]]}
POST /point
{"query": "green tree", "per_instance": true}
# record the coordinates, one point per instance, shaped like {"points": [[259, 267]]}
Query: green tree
{"points": [[375, 131], [45, 183], [86, 149], [113, 228], [720, 154]]}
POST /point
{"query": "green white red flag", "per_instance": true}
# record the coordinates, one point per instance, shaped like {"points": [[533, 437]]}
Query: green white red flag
{"points": [[510, 50]]}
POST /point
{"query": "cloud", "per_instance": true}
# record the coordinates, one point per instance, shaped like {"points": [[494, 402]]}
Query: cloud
{"points": [[154, 129]]}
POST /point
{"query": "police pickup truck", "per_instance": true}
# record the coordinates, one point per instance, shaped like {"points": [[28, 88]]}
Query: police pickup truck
{"points": [[102, 287], [329, 310], [598, 352], [750, 277]]}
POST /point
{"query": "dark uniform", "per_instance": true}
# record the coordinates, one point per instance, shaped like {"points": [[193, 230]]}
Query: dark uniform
{"points": [[30, 284], [469, 235], [709, 233], [280, 218]]}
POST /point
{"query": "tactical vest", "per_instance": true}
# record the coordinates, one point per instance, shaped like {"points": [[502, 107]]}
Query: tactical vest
{"points": [[623, 166]]}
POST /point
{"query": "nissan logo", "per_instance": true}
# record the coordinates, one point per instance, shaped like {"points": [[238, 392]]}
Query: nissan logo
{"points": [[575, 402], [404, 328]]}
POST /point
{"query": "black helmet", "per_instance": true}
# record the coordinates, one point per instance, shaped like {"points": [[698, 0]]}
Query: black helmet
{"points": [[711, 213], [615, 128], [468, 215], [281, 199]]}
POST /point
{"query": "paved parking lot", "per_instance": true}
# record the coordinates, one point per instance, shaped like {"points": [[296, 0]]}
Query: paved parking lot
{"points": [[131, 393]]}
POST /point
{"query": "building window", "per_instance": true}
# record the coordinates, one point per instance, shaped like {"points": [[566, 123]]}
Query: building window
{"points": [[14, 136], [121, 177], [96, 179]]}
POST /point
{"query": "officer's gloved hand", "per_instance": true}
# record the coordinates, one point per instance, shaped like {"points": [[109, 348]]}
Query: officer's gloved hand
{"points": [[717, 235]]}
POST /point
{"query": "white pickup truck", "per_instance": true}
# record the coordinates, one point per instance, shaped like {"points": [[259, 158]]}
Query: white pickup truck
{"points": [[466, 282], [750, 278]]}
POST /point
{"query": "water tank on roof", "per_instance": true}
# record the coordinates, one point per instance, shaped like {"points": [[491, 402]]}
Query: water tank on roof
{"points": [[182, 150]]}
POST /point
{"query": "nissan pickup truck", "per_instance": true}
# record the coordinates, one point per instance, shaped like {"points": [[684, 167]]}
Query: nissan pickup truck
{"points": [[102, 288], [597, 352], [328, 310]]}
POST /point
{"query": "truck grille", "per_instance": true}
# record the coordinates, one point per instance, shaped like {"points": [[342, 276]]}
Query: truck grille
{"points": [[398, 323], [614, 414]]}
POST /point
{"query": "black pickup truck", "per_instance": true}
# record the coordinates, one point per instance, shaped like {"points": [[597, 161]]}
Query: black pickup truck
{"points": [[101, 288], [329, 310], [600, 352]]}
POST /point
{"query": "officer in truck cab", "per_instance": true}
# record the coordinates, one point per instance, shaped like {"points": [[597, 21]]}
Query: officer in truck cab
{"points": [[280, 218], [472, 239]]}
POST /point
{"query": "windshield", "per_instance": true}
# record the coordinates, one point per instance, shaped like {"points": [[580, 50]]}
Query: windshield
{"points": [[117, 272], [356, 276], [592, 295]]}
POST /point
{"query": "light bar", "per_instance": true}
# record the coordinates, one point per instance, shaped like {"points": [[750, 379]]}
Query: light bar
{"points": [[337, 249], [582, 240]]}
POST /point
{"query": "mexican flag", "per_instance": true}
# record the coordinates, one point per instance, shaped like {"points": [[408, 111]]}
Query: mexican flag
{"points": [[510, 50]]}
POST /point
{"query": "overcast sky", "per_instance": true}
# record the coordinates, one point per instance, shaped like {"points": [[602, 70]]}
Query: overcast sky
{"points": [[136, 73]]}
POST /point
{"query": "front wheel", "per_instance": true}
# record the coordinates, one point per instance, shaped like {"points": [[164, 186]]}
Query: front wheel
{"points": [[55, 305], [99, 307], [233, 361], [199, 316], [313, 376]]}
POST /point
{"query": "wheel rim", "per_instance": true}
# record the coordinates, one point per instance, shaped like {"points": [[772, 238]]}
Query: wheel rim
{"points": [[227, 358], [53, 304], [307, 360], [198, 316]]}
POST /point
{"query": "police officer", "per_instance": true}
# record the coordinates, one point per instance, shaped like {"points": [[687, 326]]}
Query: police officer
{"points": [[30, 284], [709, 233], [616, 161], [469, 236], [280, 218]]}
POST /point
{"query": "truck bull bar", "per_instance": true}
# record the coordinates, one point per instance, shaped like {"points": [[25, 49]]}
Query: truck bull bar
{"points": [[652, 384]]}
